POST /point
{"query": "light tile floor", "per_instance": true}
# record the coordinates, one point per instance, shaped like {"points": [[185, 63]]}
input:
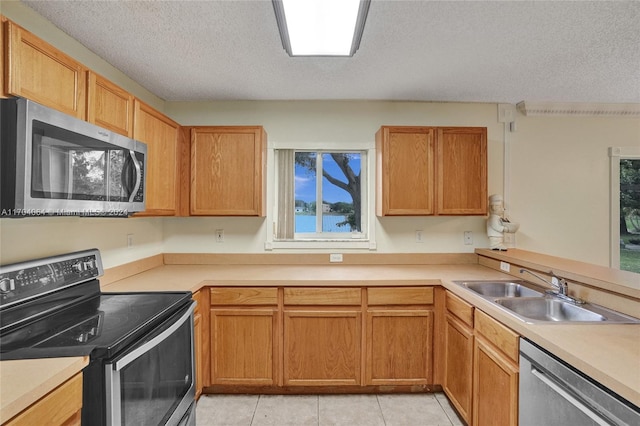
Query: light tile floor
{"points": [[324, 410]]}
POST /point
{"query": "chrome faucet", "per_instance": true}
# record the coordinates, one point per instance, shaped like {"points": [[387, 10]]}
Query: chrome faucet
{"points": [[559, 285]]}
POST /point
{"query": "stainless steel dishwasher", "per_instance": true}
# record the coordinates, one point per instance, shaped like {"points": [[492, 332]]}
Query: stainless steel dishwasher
{"points": [[555, 394]]}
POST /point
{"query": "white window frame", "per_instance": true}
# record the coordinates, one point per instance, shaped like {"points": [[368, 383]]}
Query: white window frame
{"points": [[336, 241], [615, 155]]}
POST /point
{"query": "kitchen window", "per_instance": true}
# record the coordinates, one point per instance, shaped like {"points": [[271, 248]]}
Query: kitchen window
{"points": [[625, 208], [321, 197]]}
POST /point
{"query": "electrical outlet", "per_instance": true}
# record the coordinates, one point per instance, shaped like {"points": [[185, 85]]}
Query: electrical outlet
{"points": [[335, 257], [504, 266], [468, 238], [219, 235], [129, 240], [419, 236]]}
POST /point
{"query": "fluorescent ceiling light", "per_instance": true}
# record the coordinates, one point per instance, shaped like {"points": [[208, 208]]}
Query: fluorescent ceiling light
{"points": [[321, 27]]}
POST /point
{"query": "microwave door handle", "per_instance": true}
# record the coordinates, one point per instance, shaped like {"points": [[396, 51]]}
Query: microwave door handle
{"points": [[138, 174], [131, 171]]}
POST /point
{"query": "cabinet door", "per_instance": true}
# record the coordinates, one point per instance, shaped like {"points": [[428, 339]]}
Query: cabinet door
{"points": [[462, 170], [244, 346], [458, 363], [405, 171], [322, 348], [227, 171], [109, 106], [42, 73], [3, 55], [62, 406], [399, 347], [495, 382], [161, 136]]}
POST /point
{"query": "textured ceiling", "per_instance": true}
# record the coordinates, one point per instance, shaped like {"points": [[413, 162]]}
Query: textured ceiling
{"points": [[480, 51]]}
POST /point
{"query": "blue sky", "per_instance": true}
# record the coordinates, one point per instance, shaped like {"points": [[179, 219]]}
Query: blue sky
{"points": [[305, 182]]}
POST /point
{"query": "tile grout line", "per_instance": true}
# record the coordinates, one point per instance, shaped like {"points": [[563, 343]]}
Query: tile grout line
{"points": [[255, 409], [451, 422], [381, 412]]}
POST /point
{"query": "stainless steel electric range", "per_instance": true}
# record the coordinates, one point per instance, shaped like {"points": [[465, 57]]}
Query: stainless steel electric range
{"points": [[140, 345]]}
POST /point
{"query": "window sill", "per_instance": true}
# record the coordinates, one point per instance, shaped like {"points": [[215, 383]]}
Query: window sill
{"points": [[320, 244]]}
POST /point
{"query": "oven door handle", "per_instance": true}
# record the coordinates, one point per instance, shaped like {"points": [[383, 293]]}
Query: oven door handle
{"points": [[144, 348]]}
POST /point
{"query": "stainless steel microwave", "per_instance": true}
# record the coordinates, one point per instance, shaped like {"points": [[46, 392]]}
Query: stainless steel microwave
{"points": [[53, 164]]}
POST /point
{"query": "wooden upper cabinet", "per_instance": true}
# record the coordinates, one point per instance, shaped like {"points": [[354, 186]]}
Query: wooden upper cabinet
{"points": [[405, 169], [461, 154], [3, 46], [161, 136], [38, 71], [431, 171], [228, 171], [109, 106]]}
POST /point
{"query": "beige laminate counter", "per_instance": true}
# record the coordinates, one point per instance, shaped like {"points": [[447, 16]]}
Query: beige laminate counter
{"points": [[609, 354], [24, 382]]}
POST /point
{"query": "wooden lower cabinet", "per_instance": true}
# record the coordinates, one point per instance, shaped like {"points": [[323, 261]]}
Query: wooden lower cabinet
{"points": [[322, 348], [244, 346], [458, 365], [495, 373], [457, 379], [333, 337], [62, 406], [399, 347]]}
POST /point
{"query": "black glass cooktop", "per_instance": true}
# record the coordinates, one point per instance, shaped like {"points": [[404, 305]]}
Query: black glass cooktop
{"points": [[100, 325]]}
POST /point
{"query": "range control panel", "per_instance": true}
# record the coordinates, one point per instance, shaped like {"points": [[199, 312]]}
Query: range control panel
{"points": [[26, 280]]}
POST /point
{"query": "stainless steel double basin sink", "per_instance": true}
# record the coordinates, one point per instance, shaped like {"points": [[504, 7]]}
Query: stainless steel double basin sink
{"points": [[531, 304]]}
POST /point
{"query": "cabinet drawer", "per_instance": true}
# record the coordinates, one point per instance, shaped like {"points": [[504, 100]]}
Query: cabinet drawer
{"points": [[322, 296], [502, 337], [460, 308], [243, 296], [400, 296]]}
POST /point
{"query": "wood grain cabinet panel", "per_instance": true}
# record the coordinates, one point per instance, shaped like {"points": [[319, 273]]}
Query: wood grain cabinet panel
{"points": [[3, 55], [40, 72], [495, 382], [322, 296], [461, 155], [495, 373], [62, 406], [243, 296], [458, 365], [431, 171], [228, 171], [322, 348], [109, 106], [405, 170], [244, 346], [399, 347], [161, 136]]}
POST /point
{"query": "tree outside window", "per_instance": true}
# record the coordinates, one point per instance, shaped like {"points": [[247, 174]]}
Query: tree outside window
{"points": [[630, 215], [328, 192]]}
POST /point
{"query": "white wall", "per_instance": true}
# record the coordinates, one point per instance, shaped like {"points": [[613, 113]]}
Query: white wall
{"points": [[560, 183]]}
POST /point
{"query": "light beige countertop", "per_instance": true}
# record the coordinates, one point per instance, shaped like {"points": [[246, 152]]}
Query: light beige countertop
{"points": [[609, 354], [23, 382]]}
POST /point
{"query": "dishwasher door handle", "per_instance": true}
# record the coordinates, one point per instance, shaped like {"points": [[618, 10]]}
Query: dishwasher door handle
{"points": [[568, 397]]}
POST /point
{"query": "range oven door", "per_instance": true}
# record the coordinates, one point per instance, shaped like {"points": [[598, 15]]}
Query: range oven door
{"points": [[153, 383]]}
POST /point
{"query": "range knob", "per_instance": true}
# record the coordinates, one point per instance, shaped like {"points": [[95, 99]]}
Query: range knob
{"points": [[7, 285], [77, 267]]}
